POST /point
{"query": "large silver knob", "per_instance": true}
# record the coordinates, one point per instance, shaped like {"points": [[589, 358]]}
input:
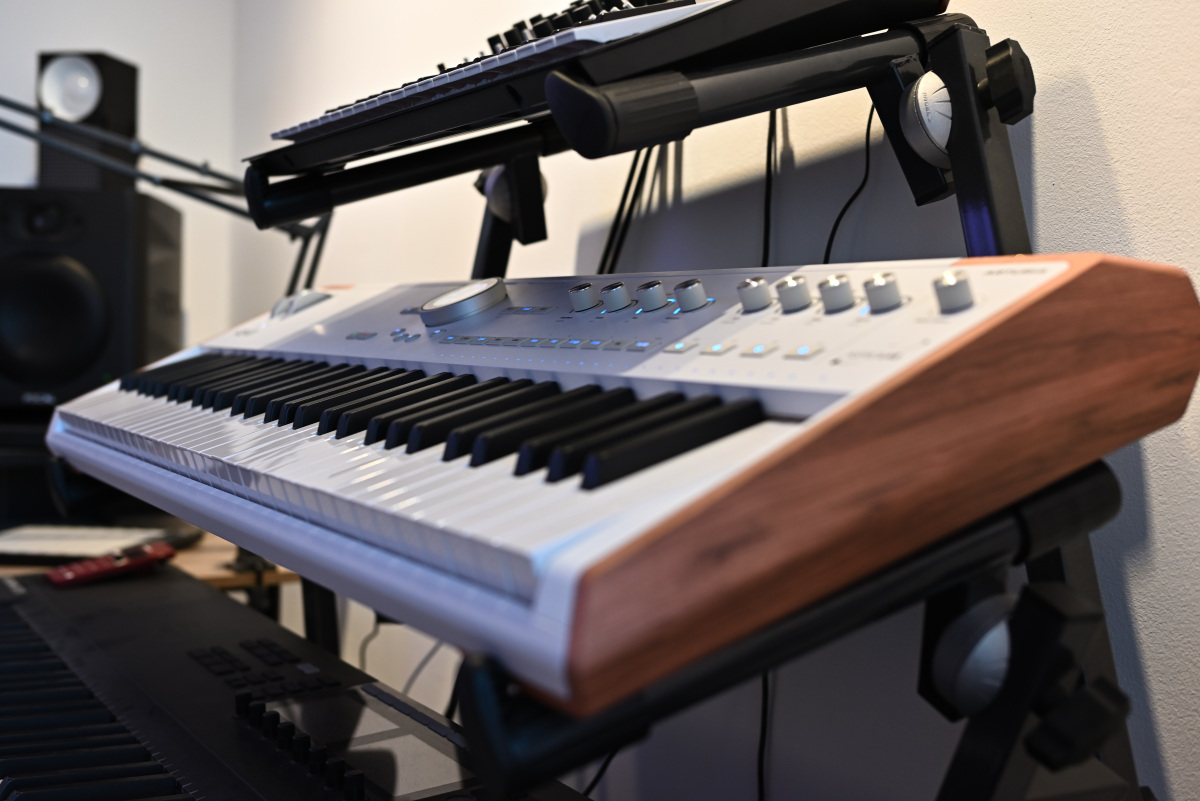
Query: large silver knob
{"points": [[652, 295], [691, 295], [836, 293], [755, 294], [953, 290], [583, 297], [463, 301], [793, 293], [883, 293], [615, 297]]}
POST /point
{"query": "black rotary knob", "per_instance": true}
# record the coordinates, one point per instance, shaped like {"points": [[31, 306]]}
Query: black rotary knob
{"points": [[255, 712], [317, 755], [270, 724], [1010, 84]]}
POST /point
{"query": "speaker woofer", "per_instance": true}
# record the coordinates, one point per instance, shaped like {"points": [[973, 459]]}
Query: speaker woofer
{"points": [[54, 318]]}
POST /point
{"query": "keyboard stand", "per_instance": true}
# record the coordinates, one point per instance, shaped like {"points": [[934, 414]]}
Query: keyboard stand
{"points": [[519, 742]]}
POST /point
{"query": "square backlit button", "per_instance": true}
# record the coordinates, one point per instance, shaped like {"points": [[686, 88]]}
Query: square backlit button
{"points": [[532, 342], [640, 345], [478, 340], [717, 348], [757, 350], [513, 342], [591, 344], [679, 347], [552, 342], [616, 344], [803, 351], [451, 339], [570, 343]]}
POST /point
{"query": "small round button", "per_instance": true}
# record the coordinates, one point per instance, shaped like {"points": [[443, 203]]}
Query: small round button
{"points": [[583, 297], [836, 293], [883, 293], [793, 293], [652, 295], [755, 294], [615, 297], [691, 295], [953, 290]]}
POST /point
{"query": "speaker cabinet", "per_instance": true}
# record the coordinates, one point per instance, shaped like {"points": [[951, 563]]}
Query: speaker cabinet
{"points": [[89, 290], [91, 89]]}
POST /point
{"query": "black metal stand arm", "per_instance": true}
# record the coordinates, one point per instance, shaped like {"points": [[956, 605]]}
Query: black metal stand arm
{"points": [[517, 742]]}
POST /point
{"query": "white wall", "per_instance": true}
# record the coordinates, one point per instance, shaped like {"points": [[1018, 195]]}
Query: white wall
{"points": [[184, 52]]}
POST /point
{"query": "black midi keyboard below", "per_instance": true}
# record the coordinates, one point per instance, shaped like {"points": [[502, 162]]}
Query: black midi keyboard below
{"points": [[161, 688]]}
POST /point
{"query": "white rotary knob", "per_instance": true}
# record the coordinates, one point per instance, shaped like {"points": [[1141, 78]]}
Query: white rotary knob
{"points": [[755, 294], [883, 293], [583, 297], [615, 297], [953, 290], [793, 293], [651, 295], [691, 295], [836, 293]]}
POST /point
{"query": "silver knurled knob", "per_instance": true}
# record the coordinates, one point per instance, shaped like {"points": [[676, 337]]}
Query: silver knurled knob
{"points": [[793, 293], [583, 297], [836, 293], [615, 297], [691, 295], [953, 290], [755, 294], [883, 293], [652, 295]]}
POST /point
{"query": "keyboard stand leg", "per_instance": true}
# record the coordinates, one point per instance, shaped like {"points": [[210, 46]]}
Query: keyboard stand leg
{"points": [[520, 216], [320, 617]]}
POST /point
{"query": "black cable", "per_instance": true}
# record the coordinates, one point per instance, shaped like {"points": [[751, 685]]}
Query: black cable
{"points": [[763, 723], [635, 203], [595, 782], [866, 174], [620, 215], [767, 194]]}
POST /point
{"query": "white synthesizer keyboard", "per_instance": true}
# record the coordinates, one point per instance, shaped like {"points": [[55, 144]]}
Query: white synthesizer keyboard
{"points": [[598, 481]]}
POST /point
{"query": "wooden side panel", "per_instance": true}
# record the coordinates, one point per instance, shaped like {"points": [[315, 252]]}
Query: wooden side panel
{"points": [[1106, 353]]}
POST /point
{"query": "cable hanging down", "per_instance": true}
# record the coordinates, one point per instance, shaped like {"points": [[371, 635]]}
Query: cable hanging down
{"points": [[862, 184]]}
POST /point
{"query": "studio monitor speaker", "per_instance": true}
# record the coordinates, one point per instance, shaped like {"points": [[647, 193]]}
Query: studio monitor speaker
{"points": [[89, 290], [91, 89]]}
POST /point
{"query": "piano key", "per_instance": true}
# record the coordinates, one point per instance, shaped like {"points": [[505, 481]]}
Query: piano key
{"points": [[203, 397], [284, 408], [183, 390], [622, 458], [131, 381], [66, 779], [114, 789], [310, 412], [377, 402], [433, 429], [39, 745], [66, 734], [461, 439], [534, 454], [568, 458], [359, 419], [223, 397], [160, 385], [393, 428], [252, 405], [505, 439]]}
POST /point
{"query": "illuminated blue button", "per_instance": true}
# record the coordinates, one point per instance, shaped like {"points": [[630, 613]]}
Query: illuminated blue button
{"points": [[717, 348], [412, 337], [755, 351], [478, 340], [592, 344], [681, 346], [640, 346], [803, 352], [399, 331], [570, 343], [531, 342], [451, 339], [550, 343]]}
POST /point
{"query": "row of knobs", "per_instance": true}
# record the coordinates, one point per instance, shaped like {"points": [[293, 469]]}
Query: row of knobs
{"points": [[952, 288]]}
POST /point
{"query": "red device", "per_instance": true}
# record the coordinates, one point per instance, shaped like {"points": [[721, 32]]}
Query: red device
{"points": [[136, 559]]}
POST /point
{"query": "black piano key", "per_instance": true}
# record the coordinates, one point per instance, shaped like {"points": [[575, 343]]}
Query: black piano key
{"points": [[461, 440], [255, 404], [130, 381], [93, 730], [620, 459], [567, 459], [534, 453], [331, 417], [435, 430], [66, 760], [209, 387], [222, 397], [396, 426], [78, 776], [54, 718], [38, 745], [12, 699], [31, 667], [284, 408], [502, 440], [155, 382], [118, 789], [309, 413], [359, 419], [183, 391], [169, 388], [158, 387]]}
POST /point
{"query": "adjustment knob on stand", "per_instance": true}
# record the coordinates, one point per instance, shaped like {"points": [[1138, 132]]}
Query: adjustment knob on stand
{"points": [[1009, 86]]}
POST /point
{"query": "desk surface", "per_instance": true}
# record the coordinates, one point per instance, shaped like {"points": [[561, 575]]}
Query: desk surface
{"points": [[207, 560]]}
